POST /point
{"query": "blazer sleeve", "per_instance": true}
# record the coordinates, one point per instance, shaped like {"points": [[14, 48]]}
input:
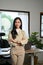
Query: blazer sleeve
{"points": [[24, 39], [9, 38]]}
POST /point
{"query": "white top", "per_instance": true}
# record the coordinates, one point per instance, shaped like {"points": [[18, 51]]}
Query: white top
{"points": [[18, 30]]}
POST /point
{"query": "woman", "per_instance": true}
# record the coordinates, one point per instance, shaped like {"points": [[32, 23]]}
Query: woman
{"points": [[17, 39]]}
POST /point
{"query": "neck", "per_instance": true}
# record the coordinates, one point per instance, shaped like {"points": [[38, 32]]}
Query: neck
{"points": [[17, 28]]}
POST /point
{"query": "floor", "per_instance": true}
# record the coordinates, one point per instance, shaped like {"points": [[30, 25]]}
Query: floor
{"points": [[25, 63], [5, 64], [10, 64]]}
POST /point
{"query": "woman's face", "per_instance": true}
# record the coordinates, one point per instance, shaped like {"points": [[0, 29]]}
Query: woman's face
{"points": [[17, 23]]}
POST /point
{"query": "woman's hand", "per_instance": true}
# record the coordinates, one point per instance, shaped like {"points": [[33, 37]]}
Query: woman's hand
{"points": [[19, 43], [13, 40]]}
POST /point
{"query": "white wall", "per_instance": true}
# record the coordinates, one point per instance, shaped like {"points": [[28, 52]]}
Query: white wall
{"points": [[33, 6]]}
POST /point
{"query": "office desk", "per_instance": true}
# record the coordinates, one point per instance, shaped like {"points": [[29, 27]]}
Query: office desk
{"points": [[32, 52]]}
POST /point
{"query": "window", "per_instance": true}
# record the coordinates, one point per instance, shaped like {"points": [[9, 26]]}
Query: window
{"points": [[7, 17], [41, 24]]}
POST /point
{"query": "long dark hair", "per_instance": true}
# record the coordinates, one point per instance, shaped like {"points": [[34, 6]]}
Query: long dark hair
{"points": [[13, 32]]}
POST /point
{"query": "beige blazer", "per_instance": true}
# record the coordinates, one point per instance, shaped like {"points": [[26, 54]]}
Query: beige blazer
{"points": [[20, 37]]}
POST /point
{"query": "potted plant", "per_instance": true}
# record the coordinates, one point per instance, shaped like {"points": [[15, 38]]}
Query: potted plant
{"points": [[35, 40]]}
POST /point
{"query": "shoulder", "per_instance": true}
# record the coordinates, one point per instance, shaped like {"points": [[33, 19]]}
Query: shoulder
{"points": [[9, 33], [23, 31]]}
